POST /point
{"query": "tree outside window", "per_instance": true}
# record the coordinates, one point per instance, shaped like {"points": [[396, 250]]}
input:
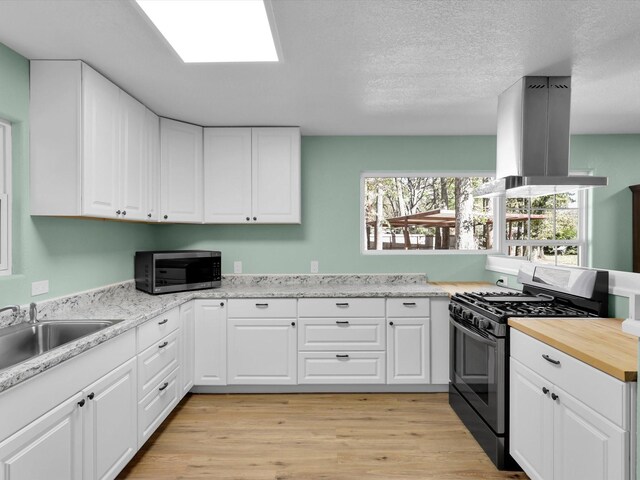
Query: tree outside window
{"points": [[426, 213]]}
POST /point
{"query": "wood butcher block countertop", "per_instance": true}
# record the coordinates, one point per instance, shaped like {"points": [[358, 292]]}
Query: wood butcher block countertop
{"points": [[599, 342], [460, 287]]}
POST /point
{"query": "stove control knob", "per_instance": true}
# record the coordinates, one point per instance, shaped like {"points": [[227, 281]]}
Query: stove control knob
{"points": [[485, 324], [467, 315]]}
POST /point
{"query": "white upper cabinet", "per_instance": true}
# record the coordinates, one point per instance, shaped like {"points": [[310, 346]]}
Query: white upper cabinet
{"points": [[152, 139], [89, 148], [100, 145], [134, 171], [275, 175], [252, 175], [227, 175], [180, 172]]}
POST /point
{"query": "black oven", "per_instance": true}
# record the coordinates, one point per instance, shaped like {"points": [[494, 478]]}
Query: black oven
{"points": [[478, 370], [177, 271]]}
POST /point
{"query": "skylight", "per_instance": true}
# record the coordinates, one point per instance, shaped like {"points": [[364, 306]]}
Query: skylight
{"points": [[214, 30]]}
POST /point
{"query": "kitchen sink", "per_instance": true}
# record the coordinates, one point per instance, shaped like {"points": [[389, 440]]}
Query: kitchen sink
{"points": [[25, 341]]}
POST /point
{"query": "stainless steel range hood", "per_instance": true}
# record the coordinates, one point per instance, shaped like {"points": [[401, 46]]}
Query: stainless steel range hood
{"points": [[533, 141]]}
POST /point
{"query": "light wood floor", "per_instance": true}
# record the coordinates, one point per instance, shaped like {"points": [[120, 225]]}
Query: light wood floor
{"points": [[313, 436]]}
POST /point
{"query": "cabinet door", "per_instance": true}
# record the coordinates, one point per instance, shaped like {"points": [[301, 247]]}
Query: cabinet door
{"points": [[261, 351], [210, 343], [181, 171], [531, 422], [408, 350], [110, 433], [276, 175], [187, 344], [586, 445], [152, 154], [50, 447], [100, 145], [227, 175], [133, 167]]}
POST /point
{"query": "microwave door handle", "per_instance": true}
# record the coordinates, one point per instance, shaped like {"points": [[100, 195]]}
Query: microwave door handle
{"points": [[472, 334]]}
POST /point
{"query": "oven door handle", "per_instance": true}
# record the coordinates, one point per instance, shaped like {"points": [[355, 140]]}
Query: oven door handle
{"points": [[471, 333]]}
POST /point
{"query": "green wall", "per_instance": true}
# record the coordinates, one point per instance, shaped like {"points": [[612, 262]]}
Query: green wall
{"points": [[72, 254], [617, 157], [330, 229]]}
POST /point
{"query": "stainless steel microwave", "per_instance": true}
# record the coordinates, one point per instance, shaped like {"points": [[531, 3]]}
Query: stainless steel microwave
{"points": [[177, 271]]}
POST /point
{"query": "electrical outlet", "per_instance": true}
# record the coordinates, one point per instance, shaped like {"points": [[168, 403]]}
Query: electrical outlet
{"points": [[314, 266], [39, 288], [503, 280], [237, 267]]}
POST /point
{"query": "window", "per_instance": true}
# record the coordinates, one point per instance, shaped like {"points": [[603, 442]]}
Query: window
{"points": [[549, 229], [425, 213], [5, 198]]}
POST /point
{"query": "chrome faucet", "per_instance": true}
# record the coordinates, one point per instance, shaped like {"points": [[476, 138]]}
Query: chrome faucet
{"points": [[33, 313], [15, 308]]}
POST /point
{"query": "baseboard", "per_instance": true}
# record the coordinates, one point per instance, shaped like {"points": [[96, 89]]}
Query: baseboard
{"points": [[321, 389]]}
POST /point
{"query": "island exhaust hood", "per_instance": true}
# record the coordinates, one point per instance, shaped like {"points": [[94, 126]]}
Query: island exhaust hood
{"points": [[533, 141]]}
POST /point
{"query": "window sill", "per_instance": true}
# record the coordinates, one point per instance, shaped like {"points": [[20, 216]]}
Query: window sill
{"points": [[428, 252]]}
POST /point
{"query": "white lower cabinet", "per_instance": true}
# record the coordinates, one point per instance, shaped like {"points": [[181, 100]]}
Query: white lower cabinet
{"points": [[91, 435], [157, 406], [159, 382], [187, 345], [556, 435], [261, 351], [408, 350], [110, 438], [49, 447], [210, 342], [351, 367]]}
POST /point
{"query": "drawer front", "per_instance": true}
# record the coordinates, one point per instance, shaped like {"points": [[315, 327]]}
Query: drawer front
{"points": [[605, 394], [407, 307], [157, 328], [156, 362], [341, 334], [341, 367], [157, 406], [532, 353], [262, 308], [341, 307]]}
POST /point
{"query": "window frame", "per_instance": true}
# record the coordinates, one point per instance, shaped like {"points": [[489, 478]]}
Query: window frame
{"points": [[5, 199], [497, 220], [584, 197]]}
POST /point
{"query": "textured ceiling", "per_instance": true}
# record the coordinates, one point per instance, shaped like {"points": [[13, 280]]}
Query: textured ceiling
{"points": [[361, 67]]}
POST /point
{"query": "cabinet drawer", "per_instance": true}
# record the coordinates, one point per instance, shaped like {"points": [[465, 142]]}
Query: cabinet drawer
{"points": [[341, 307], [156, 362], [341, 334], [157, 405], [341, 367], [262, 308], [600, 391], [407, 307], [157, 328]]}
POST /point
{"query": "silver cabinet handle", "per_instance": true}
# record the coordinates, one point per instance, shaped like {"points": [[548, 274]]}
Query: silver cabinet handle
{"points": [[342, 322], [342, 305], [164, 385], [162, 345], [262, 305], [162, 322], [342, 356], [409, 304]]}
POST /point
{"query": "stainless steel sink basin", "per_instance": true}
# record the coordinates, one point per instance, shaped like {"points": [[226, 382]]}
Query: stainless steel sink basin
{"points": [[25, 341]]}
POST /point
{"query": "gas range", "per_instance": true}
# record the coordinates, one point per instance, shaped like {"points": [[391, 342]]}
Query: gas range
{"points": [[489, 311], [479, 344]]}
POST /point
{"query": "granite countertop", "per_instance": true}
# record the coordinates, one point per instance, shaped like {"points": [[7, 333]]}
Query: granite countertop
{"points": [[124, 302], [599, 342]]}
